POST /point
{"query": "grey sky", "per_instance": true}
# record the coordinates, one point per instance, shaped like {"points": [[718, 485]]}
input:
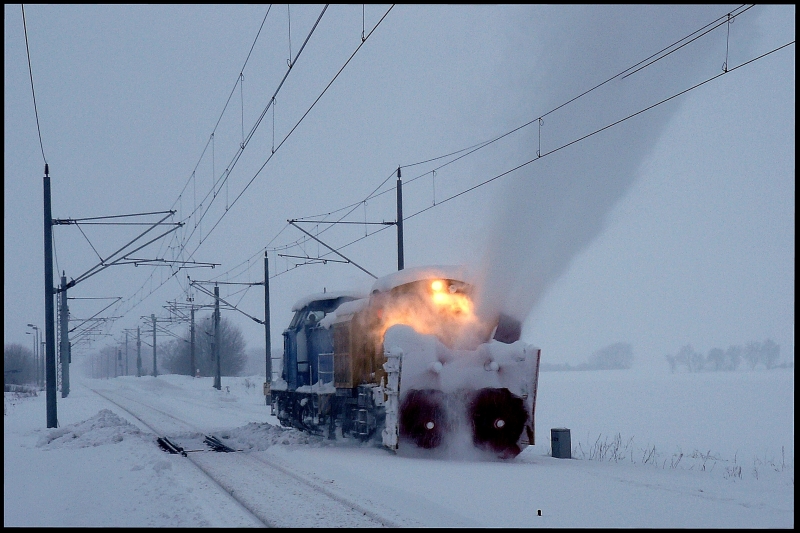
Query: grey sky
{"points": [[674, 227]]}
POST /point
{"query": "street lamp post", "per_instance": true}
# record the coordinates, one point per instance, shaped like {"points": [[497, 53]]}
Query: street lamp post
{"points": [[36, 352], [23, 376], [41, 362]]}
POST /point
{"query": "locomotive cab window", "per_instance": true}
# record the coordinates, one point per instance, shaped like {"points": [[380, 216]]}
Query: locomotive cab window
{"points": [[314, 317], [297, 318]]}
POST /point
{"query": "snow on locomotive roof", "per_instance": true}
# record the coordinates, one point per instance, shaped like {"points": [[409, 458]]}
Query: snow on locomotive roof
{"points": [[320, 296], [348, 308], [412, 274], [343, 311]]}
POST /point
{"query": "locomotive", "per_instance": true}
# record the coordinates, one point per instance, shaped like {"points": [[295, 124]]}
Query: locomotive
{"points": [[411, 364]]}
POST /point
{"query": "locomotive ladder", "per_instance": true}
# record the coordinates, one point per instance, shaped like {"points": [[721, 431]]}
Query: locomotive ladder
{"points": [[362, 420]]}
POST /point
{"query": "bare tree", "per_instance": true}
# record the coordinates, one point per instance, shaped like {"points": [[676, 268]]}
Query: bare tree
{"points": [[233, 359], [752, 353], [770, 353], [766, 353], [673, 362], [176, 357], [19, 366], [733, 357], [715, 359]]}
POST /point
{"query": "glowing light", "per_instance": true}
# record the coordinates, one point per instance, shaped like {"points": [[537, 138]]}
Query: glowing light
{"points": [[436, 307], [429, 425]]}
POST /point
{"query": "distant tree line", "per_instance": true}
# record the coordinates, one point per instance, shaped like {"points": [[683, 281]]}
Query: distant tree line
{"points": [[753, 353], [617, 356], [174, 355], [233, 359]]}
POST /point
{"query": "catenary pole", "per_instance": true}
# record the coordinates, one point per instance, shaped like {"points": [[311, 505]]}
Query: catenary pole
{"points": [[400, 260], [217, 376], [64, 340], [155, 367], [49, 309], [268, 382], [193, 368], [37, 355], [138, 352]]}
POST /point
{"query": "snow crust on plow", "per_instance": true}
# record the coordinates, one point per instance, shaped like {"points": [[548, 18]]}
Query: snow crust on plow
{"points": [[418, 362], [435, 366]]}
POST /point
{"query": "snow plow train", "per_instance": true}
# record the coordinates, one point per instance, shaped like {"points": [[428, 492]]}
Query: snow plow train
{"points": [[410, 364]]}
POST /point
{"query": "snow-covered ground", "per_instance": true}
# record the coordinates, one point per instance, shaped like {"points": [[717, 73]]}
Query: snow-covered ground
{"points": [[649, 450]]}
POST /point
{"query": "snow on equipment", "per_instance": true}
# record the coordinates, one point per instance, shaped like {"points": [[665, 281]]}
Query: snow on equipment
{"points": [[411, 364]]}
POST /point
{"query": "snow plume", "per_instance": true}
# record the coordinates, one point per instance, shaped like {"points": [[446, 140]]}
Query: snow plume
{"points": [[552, 209]]}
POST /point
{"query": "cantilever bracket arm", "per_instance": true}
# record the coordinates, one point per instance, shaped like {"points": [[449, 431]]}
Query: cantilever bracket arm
{"points": [[208, 292], [292, 222], [103, 264]]}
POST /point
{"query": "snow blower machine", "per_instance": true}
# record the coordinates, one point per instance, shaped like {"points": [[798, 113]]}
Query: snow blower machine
{"points": [[410, 364]]}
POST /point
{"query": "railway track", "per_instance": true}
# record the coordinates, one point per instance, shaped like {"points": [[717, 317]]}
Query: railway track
{"points": [[273, 495]]}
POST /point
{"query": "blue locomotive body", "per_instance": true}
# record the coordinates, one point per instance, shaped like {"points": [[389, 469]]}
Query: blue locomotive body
{"points": [[304, 396]]}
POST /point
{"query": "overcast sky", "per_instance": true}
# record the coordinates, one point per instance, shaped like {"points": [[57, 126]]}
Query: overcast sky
{"points": [[674, 227]]}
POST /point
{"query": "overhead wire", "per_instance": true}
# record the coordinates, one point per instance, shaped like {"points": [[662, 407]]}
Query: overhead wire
{"points": [[33, 92], [295, 127], [480, 145], [574, 141], [595, 132], [644, 63], [242, 146], [247, 139], [297, 124], [210, 141], [239, 152], [225, 107], [192, 177], [205, 148], [657, 56]]}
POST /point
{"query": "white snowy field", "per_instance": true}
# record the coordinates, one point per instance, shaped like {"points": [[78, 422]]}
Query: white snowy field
{"points": [[656, 450]]}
